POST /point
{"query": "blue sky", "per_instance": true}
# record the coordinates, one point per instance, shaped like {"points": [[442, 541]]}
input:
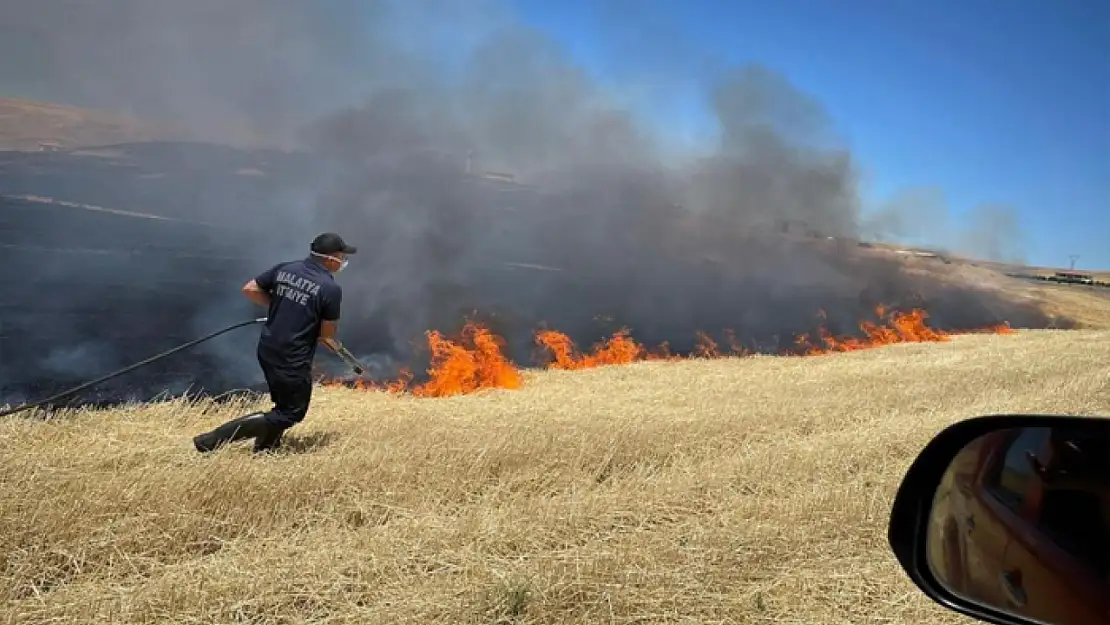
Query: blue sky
{"points": [[992, 101]]}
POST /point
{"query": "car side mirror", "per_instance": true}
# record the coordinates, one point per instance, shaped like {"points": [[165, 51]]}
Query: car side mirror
{"points": [[1006, 518]]}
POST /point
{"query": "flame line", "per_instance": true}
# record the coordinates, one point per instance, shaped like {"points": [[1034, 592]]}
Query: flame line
{"points": [[475, 359]]}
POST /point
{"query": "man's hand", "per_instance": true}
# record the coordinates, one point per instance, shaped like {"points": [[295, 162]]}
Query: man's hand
{"points": [[255, 294], [342, 352], [332, 344]]}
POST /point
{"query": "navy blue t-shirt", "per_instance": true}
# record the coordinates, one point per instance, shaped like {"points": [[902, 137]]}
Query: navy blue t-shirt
{"points": [[302, 294]]}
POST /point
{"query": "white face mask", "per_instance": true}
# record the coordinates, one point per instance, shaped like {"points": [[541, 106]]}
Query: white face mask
{"points": [[342, 263]]}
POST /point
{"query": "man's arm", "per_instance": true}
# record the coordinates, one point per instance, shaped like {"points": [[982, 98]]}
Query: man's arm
{"points": [[258, 289], [329, 317], [327, 335], [255, 293]]}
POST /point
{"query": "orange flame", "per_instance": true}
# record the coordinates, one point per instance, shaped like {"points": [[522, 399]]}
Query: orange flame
{"points": [[472, 363], [901, 328], [476, 360], [706, 347], [618, 349]]}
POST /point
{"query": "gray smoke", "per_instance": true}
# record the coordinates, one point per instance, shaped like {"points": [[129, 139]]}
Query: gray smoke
{"points": [[663, 247], [995, 233], [412, 114], [243, 71], [922, 217]]}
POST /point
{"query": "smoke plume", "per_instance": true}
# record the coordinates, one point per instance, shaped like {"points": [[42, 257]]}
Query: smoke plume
{"points": [[921, 216], [479, 170]]}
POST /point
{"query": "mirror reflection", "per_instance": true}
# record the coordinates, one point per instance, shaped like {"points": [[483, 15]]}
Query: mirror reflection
{"points": [[1020, 523]]}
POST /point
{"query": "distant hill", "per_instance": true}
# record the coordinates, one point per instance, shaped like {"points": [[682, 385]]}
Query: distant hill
{"points": [[34, 126]]}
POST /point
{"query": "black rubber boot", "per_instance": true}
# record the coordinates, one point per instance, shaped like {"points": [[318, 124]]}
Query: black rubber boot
{"points": [[269, 441], [250, 426]]}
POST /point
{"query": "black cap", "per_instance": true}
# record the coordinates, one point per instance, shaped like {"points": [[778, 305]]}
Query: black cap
{"points": [[331, 243]]}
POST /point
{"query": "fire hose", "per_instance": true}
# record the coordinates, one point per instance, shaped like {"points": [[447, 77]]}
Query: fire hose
{"points": [[350, 359], [128, 369]]}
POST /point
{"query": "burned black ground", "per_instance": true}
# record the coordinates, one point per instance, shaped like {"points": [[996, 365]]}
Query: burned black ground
{"points": [[91, 291]]}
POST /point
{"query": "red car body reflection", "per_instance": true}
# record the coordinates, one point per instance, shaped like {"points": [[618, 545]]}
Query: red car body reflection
{"points": [[1005, 535]]}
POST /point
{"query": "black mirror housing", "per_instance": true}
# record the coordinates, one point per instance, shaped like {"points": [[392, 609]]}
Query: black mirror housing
{"points": [[914, 504]]}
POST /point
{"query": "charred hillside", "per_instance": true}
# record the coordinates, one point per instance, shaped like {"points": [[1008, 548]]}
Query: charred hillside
{"points": [[99, 291], [186, 224], [124, 251]]}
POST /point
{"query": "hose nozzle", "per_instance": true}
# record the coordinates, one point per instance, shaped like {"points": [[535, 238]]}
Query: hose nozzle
{"points": [[346, 355]]}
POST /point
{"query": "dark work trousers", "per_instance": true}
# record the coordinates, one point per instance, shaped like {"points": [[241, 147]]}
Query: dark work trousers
{"points": [[291, 392]]}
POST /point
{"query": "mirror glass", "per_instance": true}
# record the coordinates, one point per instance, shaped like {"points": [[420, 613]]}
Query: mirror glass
{"points": [[1021, 523]]}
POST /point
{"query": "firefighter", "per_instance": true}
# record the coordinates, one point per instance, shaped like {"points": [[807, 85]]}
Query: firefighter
{"points": [[303, 302]]}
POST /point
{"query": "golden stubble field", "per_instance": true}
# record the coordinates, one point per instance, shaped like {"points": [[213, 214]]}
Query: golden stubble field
{"points": [[721, 491]]}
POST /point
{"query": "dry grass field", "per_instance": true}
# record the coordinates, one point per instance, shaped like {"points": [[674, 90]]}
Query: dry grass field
{"points": [[24, 124], [737, 490]]}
